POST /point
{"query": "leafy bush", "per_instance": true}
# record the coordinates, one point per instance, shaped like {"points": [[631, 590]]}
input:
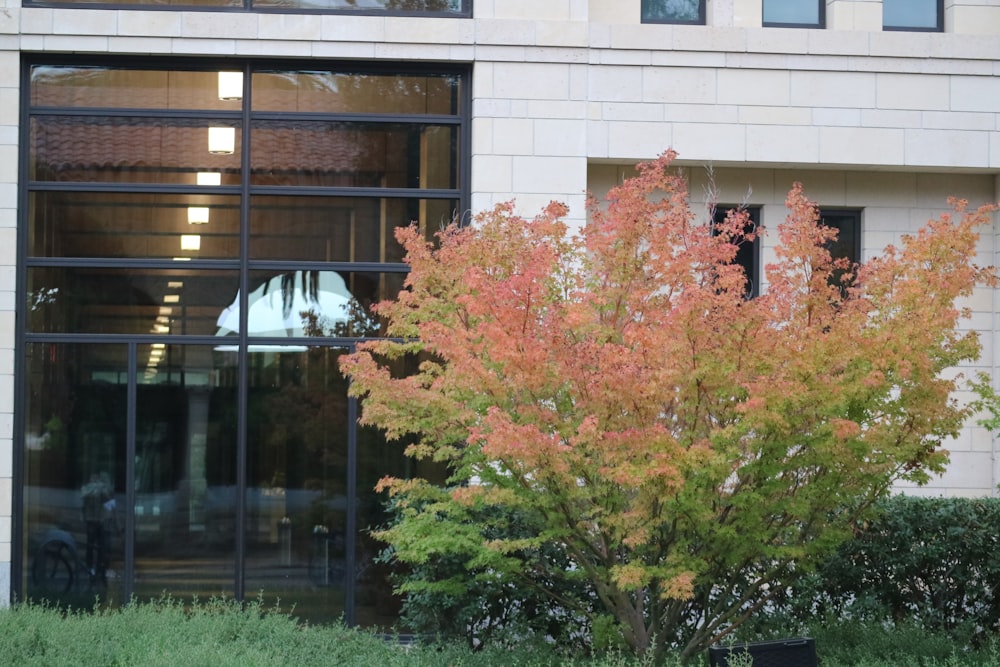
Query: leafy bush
{"points": [[225, 633], [932, 561], [451, 596]]}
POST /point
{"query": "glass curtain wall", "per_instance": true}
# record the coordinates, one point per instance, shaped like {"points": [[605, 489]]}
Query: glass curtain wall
{"points": [[201, 244]]}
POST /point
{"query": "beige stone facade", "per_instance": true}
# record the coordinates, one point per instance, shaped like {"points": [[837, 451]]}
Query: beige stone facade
{"points": [[568, 94]]}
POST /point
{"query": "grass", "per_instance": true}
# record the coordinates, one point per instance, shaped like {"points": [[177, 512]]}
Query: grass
{"points": [[223, 633]]}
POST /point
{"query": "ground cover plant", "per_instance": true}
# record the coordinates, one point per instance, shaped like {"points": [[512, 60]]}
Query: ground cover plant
{"points": [[673, 452], [225, 633]]}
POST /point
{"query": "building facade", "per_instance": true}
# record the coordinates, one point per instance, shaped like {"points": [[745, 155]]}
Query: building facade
{"points": [[199, 206]]}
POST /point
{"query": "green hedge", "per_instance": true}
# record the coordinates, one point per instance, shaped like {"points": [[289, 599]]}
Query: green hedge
{"points": [[931, 562]]}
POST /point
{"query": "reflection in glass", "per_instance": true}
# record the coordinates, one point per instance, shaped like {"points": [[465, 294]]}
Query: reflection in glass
{"points": [[341, 229], [129, 225], [911, 14], [127, 301], [74, 472], [339, 92], [673, 11], [297, 476], [353, 154], [185, 472], [129, 149], [111, 87], [375, 604], [792, 12], [299, 304]]}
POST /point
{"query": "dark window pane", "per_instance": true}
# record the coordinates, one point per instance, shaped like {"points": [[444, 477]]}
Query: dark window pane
{"points": [[340, 229], [848, 242], [914, 14], [128, 301], [185, 472], [131, 150], [748, 254], [133, 225], [674, 11], [74, 473], [848, 226], [107, 87], [297, 498], [792, 12], [353, 155], [340, 92], [294, 304]]}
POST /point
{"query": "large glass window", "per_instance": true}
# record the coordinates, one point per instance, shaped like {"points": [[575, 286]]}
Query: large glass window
{"points": [[201, 245], [397, 7], [794, 13], [920, 15], [673, 11]]}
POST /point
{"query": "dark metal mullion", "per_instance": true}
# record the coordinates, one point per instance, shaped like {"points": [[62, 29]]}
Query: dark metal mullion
{"points": [[243, 356], [133, 188], [299, 190], [355, 117], [129, 263], [268, 116], [351, 527], [132, 113], [334, 192], [465, 147], [130, 426], [21, 356]]}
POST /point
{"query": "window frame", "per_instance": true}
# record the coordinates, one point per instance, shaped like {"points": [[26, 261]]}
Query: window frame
{"points": [[853, 217], [819, 25], [248, 6], [699, 21], [939, 4]]}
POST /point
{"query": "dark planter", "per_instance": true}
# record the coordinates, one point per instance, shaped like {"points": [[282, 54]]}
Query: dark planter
{"points": [[797, 652]]}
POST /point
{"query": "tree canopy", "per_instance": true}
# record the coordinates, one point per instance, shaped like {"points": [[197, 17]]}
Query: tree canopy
{"points": [[686, 449]]}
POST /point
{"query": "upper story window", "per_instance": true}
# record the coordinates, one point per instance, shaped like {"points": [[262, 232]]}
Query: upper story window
{"points": [[673, 11], [748, 254], [794, 13], [920, 15], [398, 7], [848, 243]]}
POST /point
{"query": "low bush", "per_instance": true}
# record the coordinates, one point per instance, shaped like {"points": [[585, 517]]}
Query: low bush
{"points": [[930, 562], [223, 633]]}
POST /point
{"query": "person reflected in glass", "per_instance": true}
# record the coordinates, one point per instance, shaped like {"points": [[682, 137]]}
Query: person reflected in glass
{"points": [[98, 505]]}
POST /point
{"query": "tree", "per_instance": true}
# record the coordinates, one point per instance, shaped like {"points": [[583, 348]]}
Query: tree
{"points": [[687, 449]]}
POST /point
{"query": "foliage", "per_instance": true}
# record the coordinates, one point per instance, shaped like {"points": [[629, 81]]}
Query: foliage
{"points": [[682, 446], [930, 562], [446, 597], [224, 633]]}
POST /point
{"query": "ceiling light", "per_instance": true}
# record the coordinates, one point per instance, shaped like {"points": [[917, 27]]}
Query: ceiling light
{"points": [[172, 298], [190, 242], [221, 140], [230, 85], [209, 178], [197, 215]]}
